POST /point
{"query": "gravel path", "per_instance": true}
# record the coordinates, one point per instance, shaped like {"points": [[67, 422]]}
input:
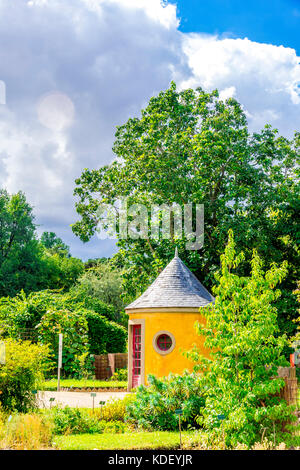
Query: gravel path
{"points": [[76, 399]]}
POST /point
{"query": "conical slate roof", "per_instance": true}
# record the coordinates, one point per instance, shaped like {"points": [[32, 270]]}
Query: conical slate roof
{"points": [[176, 286]]}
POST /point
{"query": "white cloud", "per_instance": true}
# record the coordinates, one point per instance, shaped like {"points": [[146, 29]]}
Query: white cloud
{"points": [[99, 62], [73, 71], [227, 93], [263, 77], [159, 11]]}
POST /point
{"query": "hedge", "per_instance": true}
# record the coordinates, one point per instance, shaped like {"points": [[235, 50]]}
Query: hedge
{"points": [[105, 336]]}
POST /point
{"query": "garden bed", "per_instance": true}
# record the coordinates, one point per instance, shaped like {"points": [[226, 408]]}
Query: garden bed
{"points": [[70, 385], [89, 389]]}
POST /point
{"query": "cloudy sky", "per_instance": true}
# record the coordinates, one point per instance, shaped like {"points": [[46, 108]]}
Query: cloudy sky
{"points": [[71, 70]]}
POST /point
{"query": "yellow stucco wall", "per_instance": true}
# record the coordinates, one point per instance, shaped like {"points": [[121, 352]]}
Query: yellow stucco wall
{"points": [[181, 325]]}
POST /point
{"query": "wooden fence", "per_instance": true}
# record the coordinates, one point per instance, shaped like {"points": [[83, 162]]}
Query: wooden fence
{"points": [[107, 364], [290, 390]]}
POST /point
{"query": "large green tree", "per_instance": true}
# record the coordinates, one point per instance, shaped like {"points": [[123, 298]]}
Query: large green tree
{"points": [[190, 146], [25, 262], [20, 252]]}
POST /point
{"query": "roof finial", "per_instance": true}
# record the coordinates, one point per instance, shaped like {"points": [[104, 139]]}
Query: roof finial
{"points": [[176, 252]]}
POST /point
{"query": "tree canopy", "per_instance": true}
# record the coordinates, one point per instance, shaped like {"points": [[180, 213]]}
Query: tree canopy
{"points": [[102, 282], [54, 244], [191, 147], [27, 263], [20, 252]]}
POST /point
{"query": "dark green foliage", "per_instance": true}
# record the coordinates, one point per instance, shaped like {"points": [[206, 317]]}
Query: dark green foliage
{"points": [[155, 405], [21, 266], [94, 262], [76, 297], [25, 263], [105, 336]]}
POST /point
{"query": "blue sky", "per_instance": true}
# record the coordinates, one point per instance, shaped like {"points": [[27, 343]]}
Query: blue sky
{"points": [[74, 70], [271, 21]]}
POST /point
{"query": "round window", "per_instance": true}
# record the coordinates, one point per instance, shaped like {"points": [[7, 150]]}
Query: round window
{"points": [[164, 342]]}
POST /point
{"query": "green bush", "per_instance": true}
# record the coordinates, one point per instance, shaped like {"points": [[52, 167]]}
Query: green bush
{"points": [[21, 374], [105, 336], [47, 313], [113, 410], [25, 312], [120, 374], [114, 427], [74, 327], [82, 421], [155, 405], [73, 421]]}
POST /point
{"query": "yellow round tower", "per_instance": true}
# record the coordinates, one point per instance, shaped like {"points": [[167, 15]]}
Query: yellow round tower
{"points": [[161, 324]]}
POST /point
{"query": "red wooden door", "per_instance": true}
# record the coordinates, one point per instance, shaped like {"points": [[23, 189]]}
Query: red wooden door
{"points": [[136, 355]]}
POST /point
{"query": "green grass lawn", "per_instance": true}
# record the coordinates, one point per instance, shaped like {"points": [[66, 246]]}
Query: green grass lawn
{"points": [[135, 440], [51, 385]]}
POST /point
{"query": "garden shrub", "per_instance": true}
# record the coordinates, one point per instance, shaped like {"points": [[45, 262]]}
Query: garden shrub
{"points": [[84, 321], [105, 336], [74, 327], [27, 432], [73, 421], [114, 427], [100, 307], [22, 372], [82, 421], [114, 409], [120, 374], [155, 405]]}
